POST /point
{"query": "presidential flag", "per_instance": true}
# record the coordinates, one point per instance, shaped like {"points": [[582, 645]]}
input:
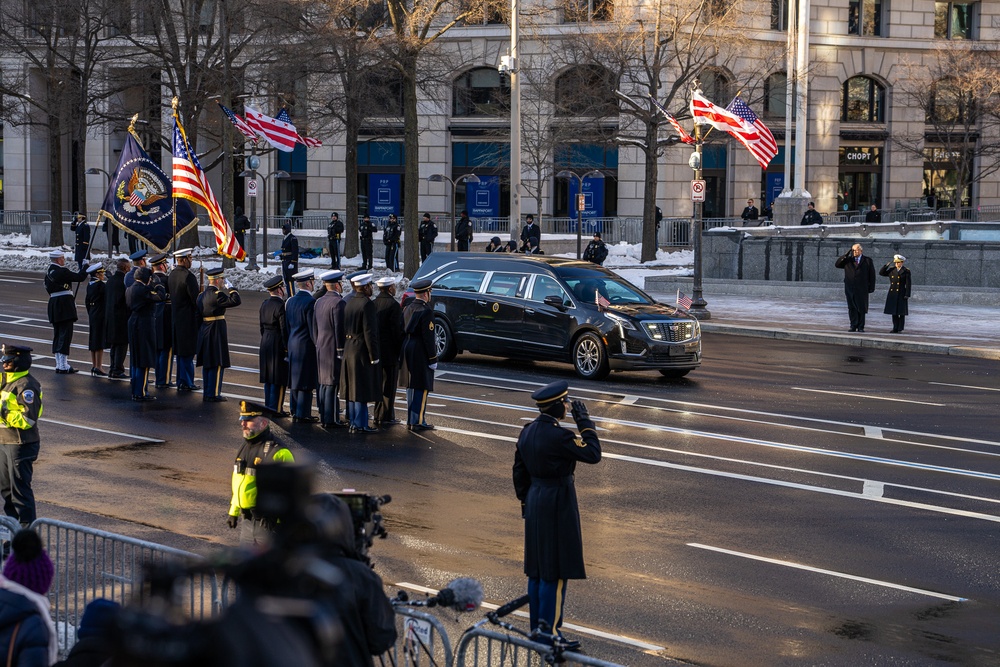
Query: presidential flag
{"points": [[238, 123], [764, 148], [139, 200], [191, 183], [279, 133], [706, 113], [305, 141]]}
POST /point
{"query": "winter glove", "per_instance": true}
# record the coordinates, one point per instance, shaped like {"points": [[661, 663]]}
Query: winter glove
{"points": [[433, 367], [233, 520], [579, 411], [4, 411]]}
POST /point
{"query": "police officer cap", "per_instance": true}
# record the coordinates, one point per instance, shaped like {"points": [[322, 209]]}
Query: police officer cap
{"points": [[331, 276], [272, 282], [361, 280], [303, 275], [421, 285], [385, 281], [158, 258], [185, 252], [142, 274], [94, 268], [250, 410], [12, 352], [56, 254], [427, 216], [138, 254], [217, 271], [551, 393]]}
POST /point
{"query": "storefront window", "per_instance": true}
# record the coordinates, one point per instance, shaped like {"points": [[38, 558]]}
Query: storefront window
{"points": [[941, 179], [860, 178]]}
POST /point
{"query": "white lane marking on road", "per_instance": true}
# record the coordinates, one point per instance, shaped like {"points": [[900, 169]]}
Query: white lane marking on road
{"points": [[802, 487], [14, 280], [966, 386], [832, 573], [874, 397], [629, 400], [622, 639], [873, 489], [873, 432], [100, 430]]}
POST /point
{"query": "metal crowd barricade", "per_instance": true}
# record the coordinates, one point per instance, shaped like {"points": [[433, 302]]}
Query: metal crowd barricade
{"points": [[485, 648], [421, 640], [91, 564]]}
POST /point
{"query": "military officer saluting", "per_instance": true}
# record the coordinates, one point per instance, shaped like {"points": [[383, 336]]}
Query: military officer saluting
{"points": [[273, 355], [213, 337], [544, 465], [138, 262], [62, 307], [259, 447], [183, 289], [419, 355], [20, 408], [81, 248]]}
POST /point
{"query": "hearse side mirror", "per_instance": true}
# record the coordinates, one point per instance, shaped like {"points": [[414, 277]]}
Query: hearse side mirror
{"points": [[555, 301]]}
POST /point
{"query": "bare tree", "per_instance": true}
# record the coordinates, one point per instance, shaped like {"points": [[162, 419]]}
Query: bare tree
{"points": [[656, 50], [958, 92]]}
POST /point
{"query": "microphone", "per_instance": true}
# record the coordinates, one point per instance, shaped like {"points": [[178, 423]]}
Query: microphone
{"points": [[462, 594], [509, 608]]}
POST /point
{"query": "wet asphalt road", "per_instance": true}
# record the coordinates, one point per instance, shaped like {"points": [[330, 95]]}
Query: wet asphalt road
{"points": [[786, 504]]}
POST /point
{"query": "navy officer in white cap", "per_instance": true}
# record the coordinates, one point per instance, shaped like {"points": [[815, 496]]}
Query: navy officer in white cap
{"points": [[62, 307], [213, 339], [544, 466], [273, 353], [302, 373]]}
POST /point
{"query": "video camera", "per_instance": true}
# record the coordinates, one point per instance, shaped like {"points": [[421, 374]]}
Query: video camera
{"points": [[367, 518]]}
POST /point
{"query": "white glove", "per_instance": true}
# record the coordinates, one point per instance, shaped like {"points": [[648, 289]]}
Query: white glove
{"points": [[229, 285], [85, 263], [433, 367], [375, 363]]}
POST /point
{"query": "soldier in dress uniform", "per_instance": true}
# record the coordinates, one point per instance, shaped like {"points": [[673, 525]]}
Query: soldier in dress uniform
{"points": [[419, 355], [289, 258], [390, 237], [20, 409], [544, 465], [274, 346], [163, 323], [62, 307], [138, 262], [213, 337], [259, 446], [389, 316], [116, 315], [359, 381], [330, 348], [141, 298], [463, 232], [81, 248], [427, 231], [334, 230], [302, 374], [96, 309], [186, 321], [365, 231]]}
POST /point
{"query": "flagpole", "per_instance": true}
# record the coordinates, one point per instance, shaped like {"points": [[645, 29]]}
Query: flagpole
{"points": [[698, 305]]}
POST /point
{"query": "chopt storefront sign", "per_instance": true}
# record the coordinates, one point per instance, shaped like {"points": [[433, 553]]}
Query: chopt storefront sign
{"points": [[868, 156]]}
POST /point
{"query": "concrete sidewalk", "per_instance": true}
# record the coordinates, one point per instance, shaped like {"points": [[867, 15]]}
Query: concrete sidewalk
{"points": [[967, 331]]}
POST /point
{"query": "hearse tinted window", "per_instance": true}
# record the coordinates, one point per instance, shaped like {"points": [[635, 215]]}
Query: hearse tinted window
{"points": [[505, 284], [586, 283], [461, 281], [545, 286]]}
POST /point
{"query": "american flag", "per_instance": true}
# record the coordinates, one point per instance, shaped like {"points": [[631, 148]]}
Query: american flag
{"points": [[685, 137], [764, 148], [239, 123], [601, 301], [279, 133], [683, 300], [706, 113], [306, 141], [191, 183]]}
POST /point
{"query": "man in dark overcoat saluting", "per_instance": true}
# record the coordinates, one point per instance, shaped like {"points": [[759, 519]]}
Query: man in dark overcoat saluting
{"points": [[544, 463], [359, 380], [859, 282], [419, 355], [183, 289], [273, 351]]}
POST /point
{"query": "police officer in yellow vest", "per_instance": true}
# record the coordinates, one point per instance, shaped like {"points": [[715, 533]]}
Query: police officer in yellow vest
{"points": [[20, 408], [259, 447]]}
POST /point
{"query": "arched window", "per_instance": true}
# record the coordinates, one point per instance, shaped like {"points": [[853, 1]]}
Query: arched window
{"points": [[481, 92], [586, 90], [862, 101], [716, 86]]}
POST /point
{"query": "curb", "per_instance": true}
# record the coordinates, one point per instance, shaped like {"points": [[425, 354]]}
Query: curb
{"points": [[853, 341]]}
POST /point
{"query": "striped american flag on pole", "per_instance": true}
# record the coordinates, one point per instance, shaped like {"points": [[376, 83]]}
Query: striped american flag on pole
{"points": [[764, 148], [238, 123], [706, 113], [305, 141], [191, 183], [685, 137], [280, 134], [683, 300]]}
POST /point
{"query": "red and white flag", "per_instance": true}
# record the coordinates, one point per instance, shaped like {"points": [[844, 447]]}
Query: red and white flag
{"points": [[305, 141], [706, 113], [238, 123], [764, 148], [280, 134]]}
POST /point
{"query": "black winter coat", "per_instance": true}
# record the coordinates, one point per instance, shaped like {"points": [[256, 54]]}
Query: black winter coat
{"points": [[142, 300], [301, 318], [163, 314], [596, 252], [273, 355], [418, 347], [88, 652], [389, 315], [32, 646], [289, 255], [897, 299], [359, 377], [213, 337], [544, 463], [81, 249], [116, 311], [859, 279], [329, 337], [183, 289], [96, 309]]}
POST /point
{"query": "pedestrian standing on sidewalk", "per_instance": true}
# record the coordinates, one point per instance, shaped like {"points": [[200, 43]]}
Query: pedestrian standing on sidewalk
{"points": [[859, 282], [897, 300]]}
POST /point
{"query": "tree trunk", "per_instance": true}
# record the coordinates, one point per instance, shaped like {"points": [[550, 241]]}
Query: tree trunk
{"points": [[411, 176], [55, 180], [649, 245], [351, 132]]}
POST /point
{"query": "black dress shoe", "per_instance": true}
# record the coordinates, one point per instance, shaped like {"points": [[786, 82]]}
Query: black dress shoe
{"points": [[282, 414], [117, 376], [419, 427], [165, 386], [188, 387], [338, 424], [853, 329], [215, 399], [306, 420], [143, 398], [366, 429], [390, 422], [860, 330]]}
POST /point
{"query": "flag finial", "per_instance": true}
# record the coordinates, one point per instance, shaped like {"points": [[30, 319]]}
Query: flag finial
{"points": [[173, 104]]}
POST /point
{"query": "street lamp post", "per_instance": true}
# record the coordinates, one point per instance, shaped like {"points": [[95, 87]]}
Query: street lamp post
{"points": [[465, 178], [94, 171], [698, 304], [254, 163], [277, 173], [567, 174]]}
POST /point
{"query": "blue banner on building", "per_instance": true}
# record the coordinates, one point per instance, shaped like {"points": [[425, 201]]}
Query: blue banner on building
{"points": [[482, 199], [593, 203], [775, 184], [383, 194]]}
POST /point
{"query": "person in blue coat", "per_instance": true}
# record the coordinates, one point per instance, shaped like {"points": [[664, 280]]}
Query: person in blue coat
{"points": [[302, 373], [27, 634], [141, 298]]}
